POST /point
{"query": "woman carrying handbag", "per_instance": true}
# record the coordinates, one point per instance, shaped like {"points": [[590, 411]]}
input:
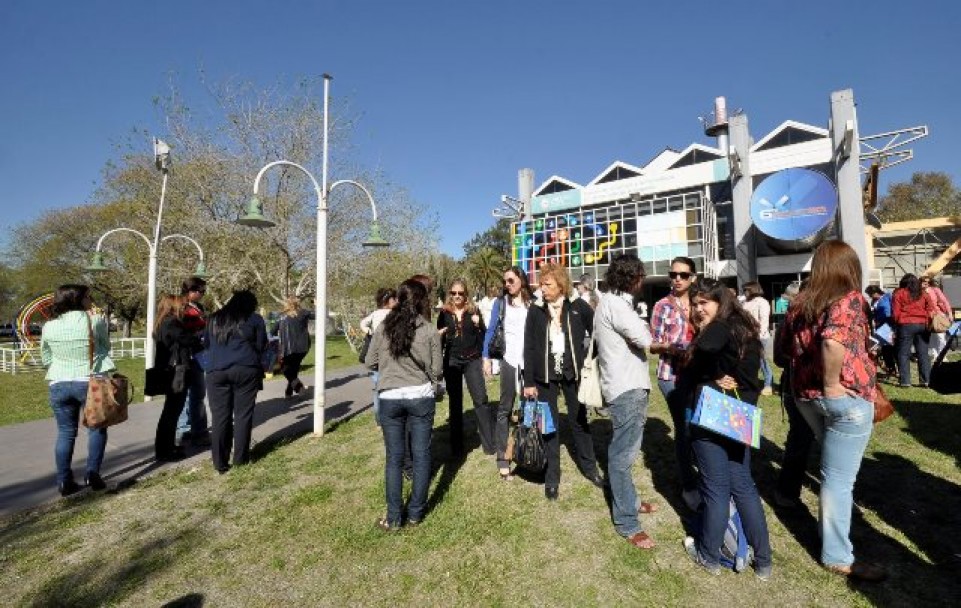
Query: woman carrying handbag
{"points": [[176, 346]]}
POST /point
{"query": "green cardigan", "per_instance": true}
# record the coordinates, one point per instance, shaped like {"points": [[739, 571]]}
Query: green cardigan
{"points": [[64, 346]]}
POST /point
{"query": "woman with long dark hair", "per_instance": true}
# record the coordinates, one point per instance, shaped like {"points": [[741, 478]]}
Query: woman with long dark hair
{"points": [[911, 311], [462, 327], [406, 352], [825, 340], [725, 355], [510, 312], [673, 331], [236, 340], [176, 345], [553, 357], [65, 348]]}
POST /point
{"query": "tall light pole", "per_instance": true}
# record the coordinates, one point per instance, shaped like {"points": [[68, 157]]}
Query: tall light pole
{"points": [[255, 217]]}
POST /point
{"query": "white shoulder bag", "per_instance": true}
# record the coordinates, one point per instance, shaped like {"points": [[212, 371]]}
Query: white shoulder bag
{"points": [[589, 392]]}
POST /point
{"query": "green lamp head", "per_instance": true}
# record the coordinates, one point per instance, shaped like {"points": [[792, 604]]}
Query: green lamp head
{"points": [[255, 216], [201, 271], [96, 263], [374, 239]]}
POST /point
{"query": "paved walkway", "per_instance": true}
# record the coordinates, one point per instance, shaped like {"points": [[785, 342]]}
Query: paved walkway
{"points": [[27, 475]]}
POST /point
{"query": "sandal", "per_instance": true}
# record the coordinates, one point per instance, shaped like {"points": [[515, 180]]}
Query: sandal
{"points": [[386, 526], [647, 508], [860, 571], [641, 540]]}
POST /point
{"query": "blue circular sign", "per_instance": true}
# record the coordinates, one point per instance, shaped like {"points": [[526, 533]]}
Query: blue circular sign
{"points": [[794, 204]]}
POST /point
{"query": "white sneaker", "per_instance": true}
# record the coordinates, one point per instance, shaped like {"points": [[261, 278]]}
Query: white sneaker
{"points": [[692, 498]]}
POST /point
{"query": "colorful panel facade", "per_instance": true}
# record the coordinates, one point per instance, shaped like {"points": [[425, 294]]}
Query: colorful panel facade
{"points": [[585, 239]]}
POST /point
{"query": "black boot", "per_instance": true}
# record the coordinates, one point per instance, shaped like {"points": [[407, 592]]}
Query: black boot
{"points": [[69, 487]]}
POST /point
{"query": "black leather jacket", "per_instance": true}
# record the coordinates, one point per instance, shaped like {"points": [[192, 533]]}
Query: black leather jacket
{"points": [[536, 353]]}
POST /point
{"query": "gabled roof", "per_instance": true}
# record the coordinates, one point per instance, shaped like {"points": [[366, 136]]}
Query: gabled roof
{"points": [[555, 183], [615, 171], [695, 153], [787, 133], [662, 161]]}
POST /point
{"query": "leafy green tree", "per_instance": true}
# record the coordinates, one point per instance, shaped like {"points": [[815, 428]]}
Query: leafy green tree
{"points": [[927, 195], [485, 266], [497, 238]]}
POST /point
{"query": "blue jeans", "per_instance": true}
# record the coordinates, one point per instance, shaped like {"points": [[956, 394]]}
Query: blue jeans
{"points": [[374, 377], [681, 415], [67, 400], [915, 334], [628, 413], [843, 426], [193, 418], [766, 365], [725, 467], [397, 417]]}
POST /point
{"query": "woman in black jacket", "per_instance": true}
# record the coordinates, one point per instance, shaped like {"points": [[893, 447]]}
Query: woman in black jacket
{"points": [[462, 331], [294, 342], [236, 341], [175, 347], [726, 356], [553, 356]]}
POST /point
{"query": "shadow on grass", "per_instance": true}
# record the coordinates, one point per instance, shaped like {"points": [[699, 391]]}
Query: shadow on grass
{"points": [[191, 600], [936, 425]]}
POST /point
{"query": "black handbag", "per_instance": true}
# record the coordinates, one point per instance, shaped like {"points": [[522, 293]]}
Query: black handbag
{"points": [[529, 449], [498, 346], [157, 381], [362, 354], [945, 376]]}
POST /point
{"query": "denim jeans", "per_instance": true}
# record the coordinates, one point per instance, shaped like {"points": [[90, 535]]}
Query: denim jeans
{"points": [[766, 365], [681, 415], [193, 418], [843, 426], [397, 416], [915, 334], [725, 467], [374, 377], [628, 412], [67, 400], [505, 405]]}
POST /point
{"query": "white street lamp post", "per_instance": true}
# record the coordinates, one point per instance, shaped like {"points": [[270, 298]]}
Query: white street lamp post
{"points": [[255, 217]]}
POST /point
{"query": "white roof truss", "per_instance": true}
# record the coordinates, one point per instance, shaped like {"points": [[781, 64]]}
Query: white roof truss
{"points": [[617, 164], [714, 152], [818, 132], [558, 179]]}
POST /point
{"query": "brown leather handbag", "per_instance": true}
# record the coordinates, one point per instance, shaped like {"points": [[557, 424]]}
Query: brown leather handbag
{"points": [[108, 395], [883, 408]]}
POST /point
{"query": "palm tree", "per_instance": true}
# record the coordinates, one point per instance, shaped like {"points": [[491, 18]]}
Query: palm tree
{"points": [[485, 267]]}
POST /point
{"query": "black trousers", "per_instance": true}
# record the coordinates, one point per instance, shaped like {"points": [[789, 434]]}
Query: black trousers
{"points": [[504, 407], [165, 440], [291, 367], [473, 373], [583, 448], [797, 448], [231, 394]]}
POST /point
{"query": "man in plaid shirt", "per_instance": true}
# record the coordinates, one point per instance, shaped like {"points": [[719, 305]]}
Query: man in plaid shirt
{"points": [[672, 332]]}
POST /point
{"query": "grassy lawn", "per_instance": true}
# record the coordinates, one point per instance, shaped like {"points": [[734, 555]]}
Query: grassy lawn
{"points": [[23, 397], [296, 528]]}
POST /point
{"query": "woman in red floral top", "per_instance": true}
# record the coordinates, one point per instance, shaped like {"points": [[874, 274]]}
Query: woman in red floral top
{"points": [[833, 378]]}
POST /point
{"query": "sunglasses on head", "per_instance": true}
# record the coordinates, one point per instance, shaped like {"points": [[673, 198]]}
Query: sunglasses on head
{"points": [[682, 275], [455, 293]]}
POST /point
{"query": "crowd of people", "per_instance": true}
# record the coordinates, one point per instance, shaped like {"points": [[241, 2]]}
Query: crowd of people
{"points": [[703, 333]]}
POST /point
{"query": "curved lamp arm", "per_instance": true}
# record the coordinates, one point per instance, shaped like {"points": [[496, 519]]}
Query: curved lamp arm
{"points": [[287, 163], [131, 230], [370, 198], [186, 238]]}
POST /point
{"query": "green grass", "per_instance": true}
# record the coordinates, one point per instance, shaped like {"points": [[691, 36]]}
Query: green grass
{"points": [[296, 527], [24, 396]]}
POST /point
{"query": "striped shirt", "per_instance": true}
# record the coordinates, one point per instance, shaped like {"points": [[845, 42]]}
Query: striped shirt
{"points": [[670, 325], [64, 346]]}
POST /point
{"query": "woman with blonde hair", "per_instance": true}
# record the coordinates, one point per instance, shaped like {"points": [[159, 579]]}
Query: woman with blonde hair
{"points": [[462, 332], [553, 356], [176, 346], [294, 342], [825, 341]]}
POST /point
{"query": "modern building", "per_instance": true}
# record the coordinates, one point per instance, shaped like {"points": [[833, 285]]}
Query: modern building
{"points": [[743, 209]]}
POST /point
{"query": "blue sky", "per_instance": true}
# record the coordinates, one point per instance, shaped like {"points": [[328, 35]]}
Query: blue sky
{"points": [[456, 96]]}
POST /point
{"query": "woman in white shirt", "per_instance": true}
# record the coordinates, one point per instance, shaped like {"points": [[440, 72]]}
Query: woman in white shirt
{"points": [[386, 300], [760, 309], [513, 315]]}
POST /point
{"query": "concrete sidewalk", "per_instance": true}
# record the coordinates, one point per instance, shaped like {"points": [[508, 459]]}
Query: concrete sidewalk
{"points": [[27, 470]]}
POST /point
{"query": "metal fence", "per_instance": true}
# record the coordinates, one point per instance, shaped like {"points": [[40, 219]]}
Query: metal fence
{"points": [[17, 360]]}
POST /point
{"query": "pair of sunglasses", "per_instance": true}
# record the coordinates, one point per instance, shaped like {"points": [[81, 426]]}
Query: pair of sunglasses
{"points": [[456, 293], [682, 275]]}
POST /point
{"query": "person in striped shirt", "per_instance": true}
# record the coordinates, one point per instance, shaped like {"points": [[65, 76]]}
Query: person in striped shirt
{"points": [[65, 348]]}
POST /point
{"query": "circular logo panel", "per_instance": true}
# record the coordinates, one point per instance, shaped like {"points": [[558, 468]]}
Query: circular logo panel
{"points": [[794, 204]]}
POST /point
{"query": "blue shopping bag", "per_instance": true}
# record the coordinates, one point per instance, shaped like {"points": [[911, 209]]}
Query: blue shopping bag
{"points": [[728, 416], [537, 414]]}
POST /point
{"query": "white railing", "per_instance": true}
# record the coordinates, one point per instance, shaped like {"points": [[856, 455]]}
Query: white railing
{"points": [[17, 360]]}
